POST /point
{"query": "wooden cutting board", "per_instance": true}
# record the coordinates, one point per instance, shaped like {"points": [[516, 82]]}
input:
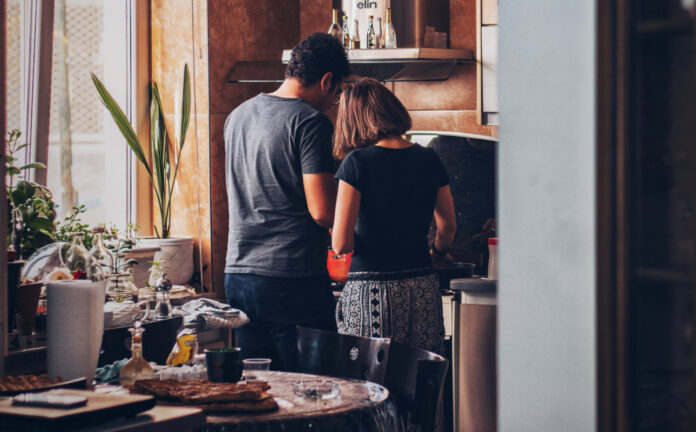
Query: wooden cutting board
{"points": [[100, 408]]}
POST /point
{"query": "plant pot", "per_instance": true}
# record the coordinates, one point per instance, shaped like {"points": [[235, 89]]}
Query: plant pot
{"points": [[14, 269], [176, 255], [27, 304], [141, 271]]}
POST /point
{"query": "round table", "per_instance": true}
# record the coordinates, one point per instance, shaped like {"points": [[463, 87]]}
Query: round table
{"points": [[361, 406]]}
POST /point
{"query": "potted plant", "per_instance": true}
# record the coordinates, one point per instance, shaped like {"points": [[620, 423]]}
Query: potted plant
{"points": [[176, 252], [30, 208], [30, 225]]}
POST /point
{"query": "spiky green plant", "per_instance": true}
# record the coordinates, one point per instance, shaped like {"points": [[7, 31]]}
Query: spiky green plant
{"points": [[160, 173]]}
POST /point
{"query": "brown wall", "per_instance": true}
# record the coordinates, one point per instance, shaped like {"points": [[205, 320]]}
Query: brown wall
{"points": [[179, 31]]}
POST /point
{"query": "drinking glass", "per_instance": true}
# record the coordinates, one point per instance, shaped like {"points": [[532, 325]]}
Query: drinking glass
{"points": [[255, 368]]}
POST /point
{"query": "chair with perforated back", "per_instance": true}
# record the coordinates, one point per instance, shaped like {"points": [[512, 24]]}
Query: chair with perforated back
{"points": [[415, 378], [323, 352]]}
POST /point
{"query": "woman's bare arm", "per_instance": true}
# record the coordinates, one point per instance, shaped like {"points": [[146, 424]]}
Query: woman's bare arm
{"points": [[445, 219], [347, 209]]}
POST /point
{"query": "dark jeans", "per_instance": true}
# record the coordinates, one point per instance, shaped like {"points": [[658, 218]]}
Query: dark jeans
{"points": [[275, 306]]}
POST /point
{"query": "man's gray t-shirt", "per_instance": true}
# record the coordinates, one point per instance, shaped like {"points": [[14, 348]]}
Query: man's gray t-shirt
{"points": [[270, 142]]}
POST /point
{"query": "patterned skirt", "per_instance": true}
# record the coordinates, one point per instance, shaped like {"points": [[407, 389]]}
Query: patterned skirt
{"points": [[404, 306]]}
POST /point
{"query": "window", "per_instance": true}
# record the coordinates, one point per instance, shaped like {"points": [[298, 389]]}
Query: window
{"points": [[88, 161]]}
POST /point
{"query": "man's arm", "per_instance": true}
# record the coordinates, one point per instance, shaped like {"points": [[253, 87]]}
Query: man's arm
{"points": [[320, 190]]}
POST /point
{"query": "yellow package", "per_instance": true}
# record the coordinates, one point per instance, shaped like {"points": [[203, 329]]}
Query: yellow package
{"points": [[185, 348]]}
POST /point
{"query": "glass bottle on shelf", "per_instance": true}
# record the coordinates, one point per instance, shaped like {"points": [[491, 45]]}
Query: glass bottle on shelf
{"points": [[335, 29], [355, 36], [389, 32], [379, 34], [346, 33], [100, 253], [137, 367], [371, 38]]}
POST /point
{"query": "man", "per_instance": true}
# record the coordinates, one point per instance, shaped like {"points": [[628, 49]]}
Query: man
{"points": [[281, 195]]}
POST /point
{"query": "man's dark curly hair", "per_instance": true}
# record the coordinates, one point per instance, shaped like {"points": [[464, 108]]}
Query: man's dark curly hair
{"points": [[315, 56]]}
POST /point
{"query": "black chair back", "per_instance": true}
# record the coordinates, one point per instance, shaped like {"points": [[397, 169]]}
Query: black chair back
{"points": [[415, 378], [323, 352]]}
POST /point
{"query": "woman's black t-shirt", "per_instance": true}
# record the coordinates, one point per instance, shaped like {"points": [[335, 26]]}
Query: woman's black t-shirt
{"points": [[398, 190]]}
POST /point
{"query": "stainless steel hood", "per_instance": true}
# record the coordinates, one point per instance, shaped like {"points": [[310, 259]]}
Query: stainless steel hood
{"points": [[387, 65]]}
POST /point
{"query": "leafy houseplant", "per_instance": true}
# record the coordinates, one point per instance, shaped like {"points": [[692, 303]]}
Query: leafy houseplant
{"points": [[31, 213], [160, 172], [73, 223]]}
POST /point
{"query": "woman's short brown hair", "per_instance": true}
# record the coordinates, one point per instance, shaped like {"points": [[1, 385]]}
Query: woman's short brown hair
{"points": [[367, 113]]}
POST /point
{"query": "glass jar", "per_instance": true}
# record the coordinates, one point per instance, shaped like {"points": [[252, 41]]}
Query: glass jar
{"points": [[100, 253], [77, 258], [120, 287], [51, 262]]}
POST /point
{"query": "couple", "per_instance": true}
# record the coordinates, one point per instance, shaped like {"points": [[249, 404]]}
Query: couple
{"points": [[283, 198]]}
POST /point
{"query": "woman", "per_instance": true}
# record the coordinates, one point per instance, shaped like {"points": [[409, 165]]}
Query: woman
{"points": [[389, 189]]}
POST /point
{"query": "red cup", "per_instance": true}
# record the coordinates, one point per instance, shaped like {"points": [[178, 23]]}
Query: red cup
{"points": [[338, 266]]}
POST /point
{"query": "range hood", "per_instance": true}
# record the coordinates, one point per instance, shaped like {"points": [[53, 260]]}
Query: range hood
{"points": [[386, 65]]}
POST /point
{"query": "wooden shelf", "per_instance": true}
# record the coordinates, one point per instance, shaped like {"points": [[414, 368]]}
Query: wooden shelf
{"points": [[682, 26]]}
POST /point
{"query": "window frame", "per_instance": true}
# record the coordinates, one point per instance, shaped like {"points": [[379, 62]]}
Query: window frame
{"points": [[38, 17]]}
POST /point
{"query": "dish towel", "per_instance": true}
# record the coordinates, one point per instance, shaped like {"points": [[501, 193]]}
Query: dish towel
{"points": [[211, 314]]}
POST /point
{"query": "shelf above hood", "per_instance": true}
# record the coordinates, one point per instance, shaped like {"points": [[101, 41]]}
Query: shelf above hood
{"points": [[387, 65]]}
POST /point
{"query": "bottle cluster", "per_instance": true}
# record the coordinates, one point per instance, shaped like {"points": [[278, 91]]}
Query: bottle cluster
{"points": [[377, 35]]}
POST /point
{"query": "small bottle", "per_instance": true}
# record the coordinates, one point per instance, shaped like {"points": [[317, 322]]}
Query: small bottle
{"points": [[379, 34], [346, 33], [493, 258], [335, 29], [99, 252], [355, 38], [371, 39], [389, 32], [137, 367]]}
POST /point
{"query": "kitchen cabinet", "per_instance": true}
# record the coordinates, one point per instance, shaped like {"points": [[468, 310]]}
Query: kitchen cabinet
{"points": [[489, 12]]}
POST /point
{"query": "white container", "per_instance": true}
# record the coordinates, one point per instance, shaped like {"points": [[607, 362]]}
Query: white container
{"points": [[176, 254], [493, 258], [74, 328]]}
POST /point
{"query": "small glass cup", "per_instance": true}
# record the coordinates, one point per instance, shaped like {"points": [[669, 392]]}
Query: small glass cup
{"points": [[255, 368]]}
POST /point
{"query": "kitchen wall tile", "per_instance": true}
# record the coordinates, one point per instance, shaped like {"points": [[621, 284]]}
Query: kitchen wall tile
{"points": [[315, 16], [457, 93], [253, 30], [178, 39]]}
